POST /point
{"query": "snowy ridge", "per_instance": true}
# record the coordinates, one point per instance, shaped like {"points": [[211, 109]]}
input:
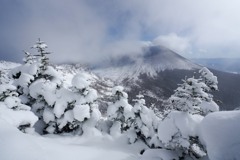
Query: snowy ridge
{"points": [[154, 59], [4, 65]]}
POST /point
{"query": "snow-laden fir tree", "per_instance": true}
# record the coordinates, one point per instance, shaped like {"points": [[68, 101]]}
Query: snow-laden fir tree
{"points": [[119, 112], [144, 123], [36, 80], [73, 109], [34, 68], [190, 101], [209, 79], [85, 110], [192, 96], [29, 58], [15, 112], [42, 54]]}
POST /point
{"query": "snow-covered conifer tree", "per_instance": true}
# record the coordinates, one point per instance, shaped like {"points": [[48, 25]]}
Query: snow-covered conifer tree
{"points": [[29, 58], [85, 110], [209, 79], [119, 112], [144, 123], [42, 54], [188, 96], [192, 97], [190, 102], [73, 109]]}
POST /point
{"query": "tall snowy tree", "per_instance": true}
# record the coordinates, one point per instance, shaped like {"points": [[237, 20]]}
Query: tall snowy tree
{"points": [[189, 103], [34, 68], [119, 112]]}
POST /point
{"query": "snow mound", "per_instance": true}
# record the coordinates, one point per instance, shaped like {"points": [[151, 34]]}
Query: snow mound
{"points": [[186, 124], [220, 132], [17, 118], [15, 145], [159, 154]]}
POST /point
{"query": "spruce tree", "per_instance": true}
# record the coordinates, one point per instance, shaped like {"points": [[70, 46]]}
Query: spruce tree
{"points": [[119, 112], [144, 123], [189, 103]]}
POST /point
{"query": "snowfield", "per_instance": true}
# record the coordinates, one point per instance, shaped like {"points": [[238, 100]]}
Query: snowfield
{"points": [[15, 145], [219, 131]]}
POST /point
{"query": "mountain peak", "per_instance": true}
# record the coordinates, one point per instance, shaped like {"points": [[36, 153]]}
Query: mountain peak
{"points": [[153, 60]]}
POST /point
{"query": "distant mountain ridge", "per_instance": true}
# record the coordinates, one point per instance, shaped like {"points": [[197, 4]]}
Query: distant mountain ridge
{"points": [[222, 64]]}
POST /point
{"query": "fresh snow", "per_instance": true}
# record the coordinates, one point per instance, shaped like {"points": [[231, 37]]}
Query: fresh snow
{"points": [[220, 132], [15, 145], [159, 154], [16, 118]]}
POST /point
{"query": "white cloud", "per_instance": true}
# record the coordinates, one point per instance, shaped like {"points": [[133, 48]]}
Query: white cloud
{"points": [[173, 42], [89, 30]]}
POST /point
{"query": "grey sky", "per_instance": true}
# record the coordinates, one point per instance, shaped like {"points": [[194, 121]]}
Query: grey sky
{"points": [[89, 30]]}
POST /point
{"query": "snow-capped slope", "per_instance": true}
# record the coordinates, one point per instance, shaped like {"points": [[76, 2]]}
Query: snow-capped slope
{"points": [[5, 67], [156, 73], [153, 60]]}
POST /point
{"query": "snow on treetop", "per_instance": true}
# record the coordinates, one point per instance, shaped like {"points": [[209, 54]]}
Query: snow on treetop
{"points": [[119, 89], [81, 80], [209, 78], [40, 44], [140, 96]]}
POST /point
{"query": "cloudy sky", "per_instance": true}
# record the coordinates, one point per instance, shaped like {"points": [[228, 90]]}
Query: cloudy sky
{"points": [[91, 30]]}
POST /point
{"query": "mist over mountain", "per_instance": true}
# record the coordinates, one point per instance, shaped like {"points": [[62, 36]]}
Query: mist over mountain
{"points": [[153, 60], [157, 73]]}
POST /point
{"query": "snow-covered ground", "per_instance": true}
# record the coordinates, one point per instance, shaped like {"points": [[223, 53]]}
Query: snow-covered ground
{"points": [[15, 145], [219, 131]]}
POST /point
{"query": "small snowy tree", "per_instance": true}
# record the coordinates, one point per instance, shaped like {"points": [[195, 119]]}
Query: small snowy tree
{"points": [[144, 123], [42, 54], [29, 58], [119, 112], [13, 111]]}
